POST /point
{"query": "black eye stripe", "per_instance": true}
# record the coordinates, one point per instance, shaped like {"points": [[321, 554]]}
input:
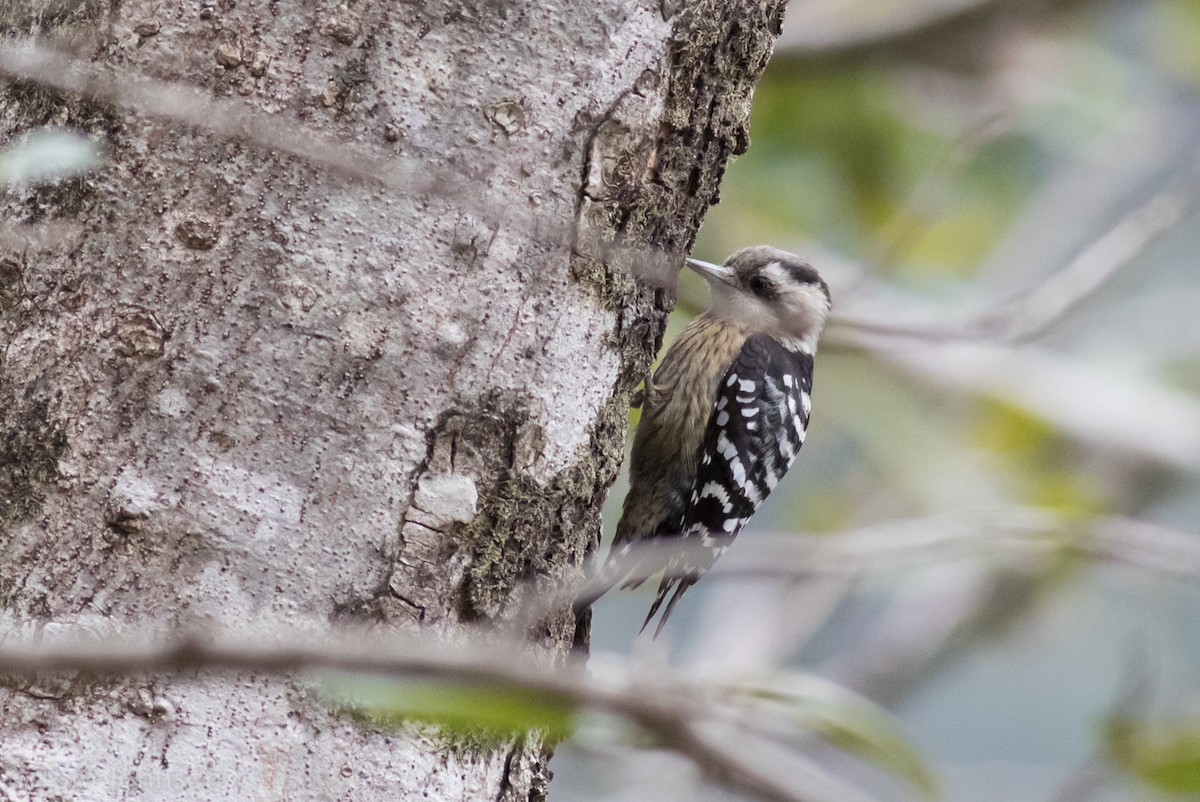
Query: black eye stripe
{"points": [[802, 273]]}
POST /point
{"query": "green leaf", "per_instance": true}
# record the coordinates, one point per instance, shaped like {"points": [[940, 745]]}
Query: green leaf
{"points": [[1162, 754], [458, 706], [48, 154], [850, 722]]}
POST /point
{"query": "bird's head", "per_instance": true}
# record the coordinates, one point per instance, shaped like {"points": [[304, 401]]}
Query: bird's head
{"points": [[769, 291]]}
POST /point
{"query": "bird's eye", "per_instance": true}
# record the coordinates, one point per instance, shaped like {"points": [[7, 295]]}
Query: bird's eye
{"points": [[761, 285]]}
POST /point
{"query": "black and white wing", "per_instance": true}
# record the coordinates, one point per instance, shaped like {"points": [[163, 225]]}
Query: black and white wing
{"points": [[758, 422]]}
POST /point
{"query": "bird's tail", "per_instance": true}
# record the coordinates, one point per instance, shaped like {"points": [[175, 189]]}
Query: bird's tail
{"points": [[670, 582], [633, 563]]}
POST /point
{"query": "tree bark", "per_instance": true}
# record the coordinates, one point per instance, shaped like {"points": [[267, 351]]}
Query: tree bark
{"points": [[244, 388]]}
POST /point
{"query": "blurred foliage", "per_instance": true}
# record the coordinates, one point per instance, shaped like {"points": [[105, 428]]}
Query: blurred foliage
{"points": [[480, 712], [1042, 465], [850, 722], [1163, 754], [836, 157]]}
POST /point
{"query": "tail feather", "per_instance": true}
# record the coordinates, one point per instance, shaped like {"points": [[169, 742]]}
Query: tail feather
{"points": [[630, 568], [669, 582]]}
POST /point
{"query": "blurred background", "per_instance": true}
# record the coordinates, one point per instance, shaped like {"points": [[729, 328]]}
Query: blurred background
{"points": [[992, 530]]}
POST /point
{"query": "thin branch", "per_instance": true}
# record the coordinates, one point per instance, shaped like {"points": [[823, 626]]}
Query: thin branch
{"points": [[1003, 532], [1082, 400], [234, 119], [674, 711], [824, 29], [19, 238], [1040, 308], [1096, 265], [1000, 531], [238, 120]]}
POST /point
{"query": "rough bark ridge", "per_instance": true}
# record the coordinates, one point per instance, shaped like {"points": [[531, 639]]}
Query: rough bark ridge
{"points": [[244, 390]]}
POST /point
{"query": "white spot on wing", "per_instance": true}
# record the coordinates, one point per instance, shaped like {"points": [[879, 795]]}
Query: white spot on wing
{"points": [[785, 449], [725, 448], [715, 491]]}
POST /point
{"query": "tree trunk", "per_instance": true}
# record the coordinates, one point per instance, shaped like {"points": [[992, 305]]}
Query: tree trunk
{"points": [[247, 388]]}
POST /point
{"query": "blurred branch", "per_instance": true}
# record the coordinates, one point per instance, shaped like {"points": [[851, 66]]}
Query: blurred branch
{"points": [[1001, 560], [15, 237], [1101, 404], [1037, 310], [234, 119], [1006, 532], [678, 713], [834, 25], [914, 642], [970, 534], [1043, 306]]}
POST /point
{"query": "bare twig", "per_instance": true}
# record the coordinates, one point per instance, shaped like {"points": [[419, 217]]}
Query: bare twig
{"points": [[827, 28], [238, 120], [1033, 313], [673, 710], [1082, 400], [1000, 531], [17, 238], [1037, 310], [234, 119]]}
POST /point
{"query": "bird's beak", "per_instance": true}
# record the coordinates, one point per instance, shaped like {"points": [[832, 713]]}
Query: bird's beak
{"points": [[712, 272]]}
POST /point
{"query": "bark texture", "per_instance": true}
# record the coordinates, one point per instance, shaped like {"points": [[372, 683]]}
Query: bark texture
{"points": [[246, 391]]}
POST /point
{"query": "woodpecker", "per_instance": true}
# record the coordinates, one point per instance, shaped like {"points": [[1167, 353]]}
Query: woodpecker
{"points": [[722, 420]]}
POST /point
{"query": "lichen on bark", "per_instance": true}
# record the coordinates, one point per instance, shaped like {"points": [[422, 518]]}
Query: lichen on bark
{"points": [[32, 441]]}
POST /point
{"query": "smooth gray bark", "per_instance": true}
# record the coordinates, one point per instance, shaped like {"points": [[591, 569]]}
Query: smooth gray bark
{"points": [[246, 390]]}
